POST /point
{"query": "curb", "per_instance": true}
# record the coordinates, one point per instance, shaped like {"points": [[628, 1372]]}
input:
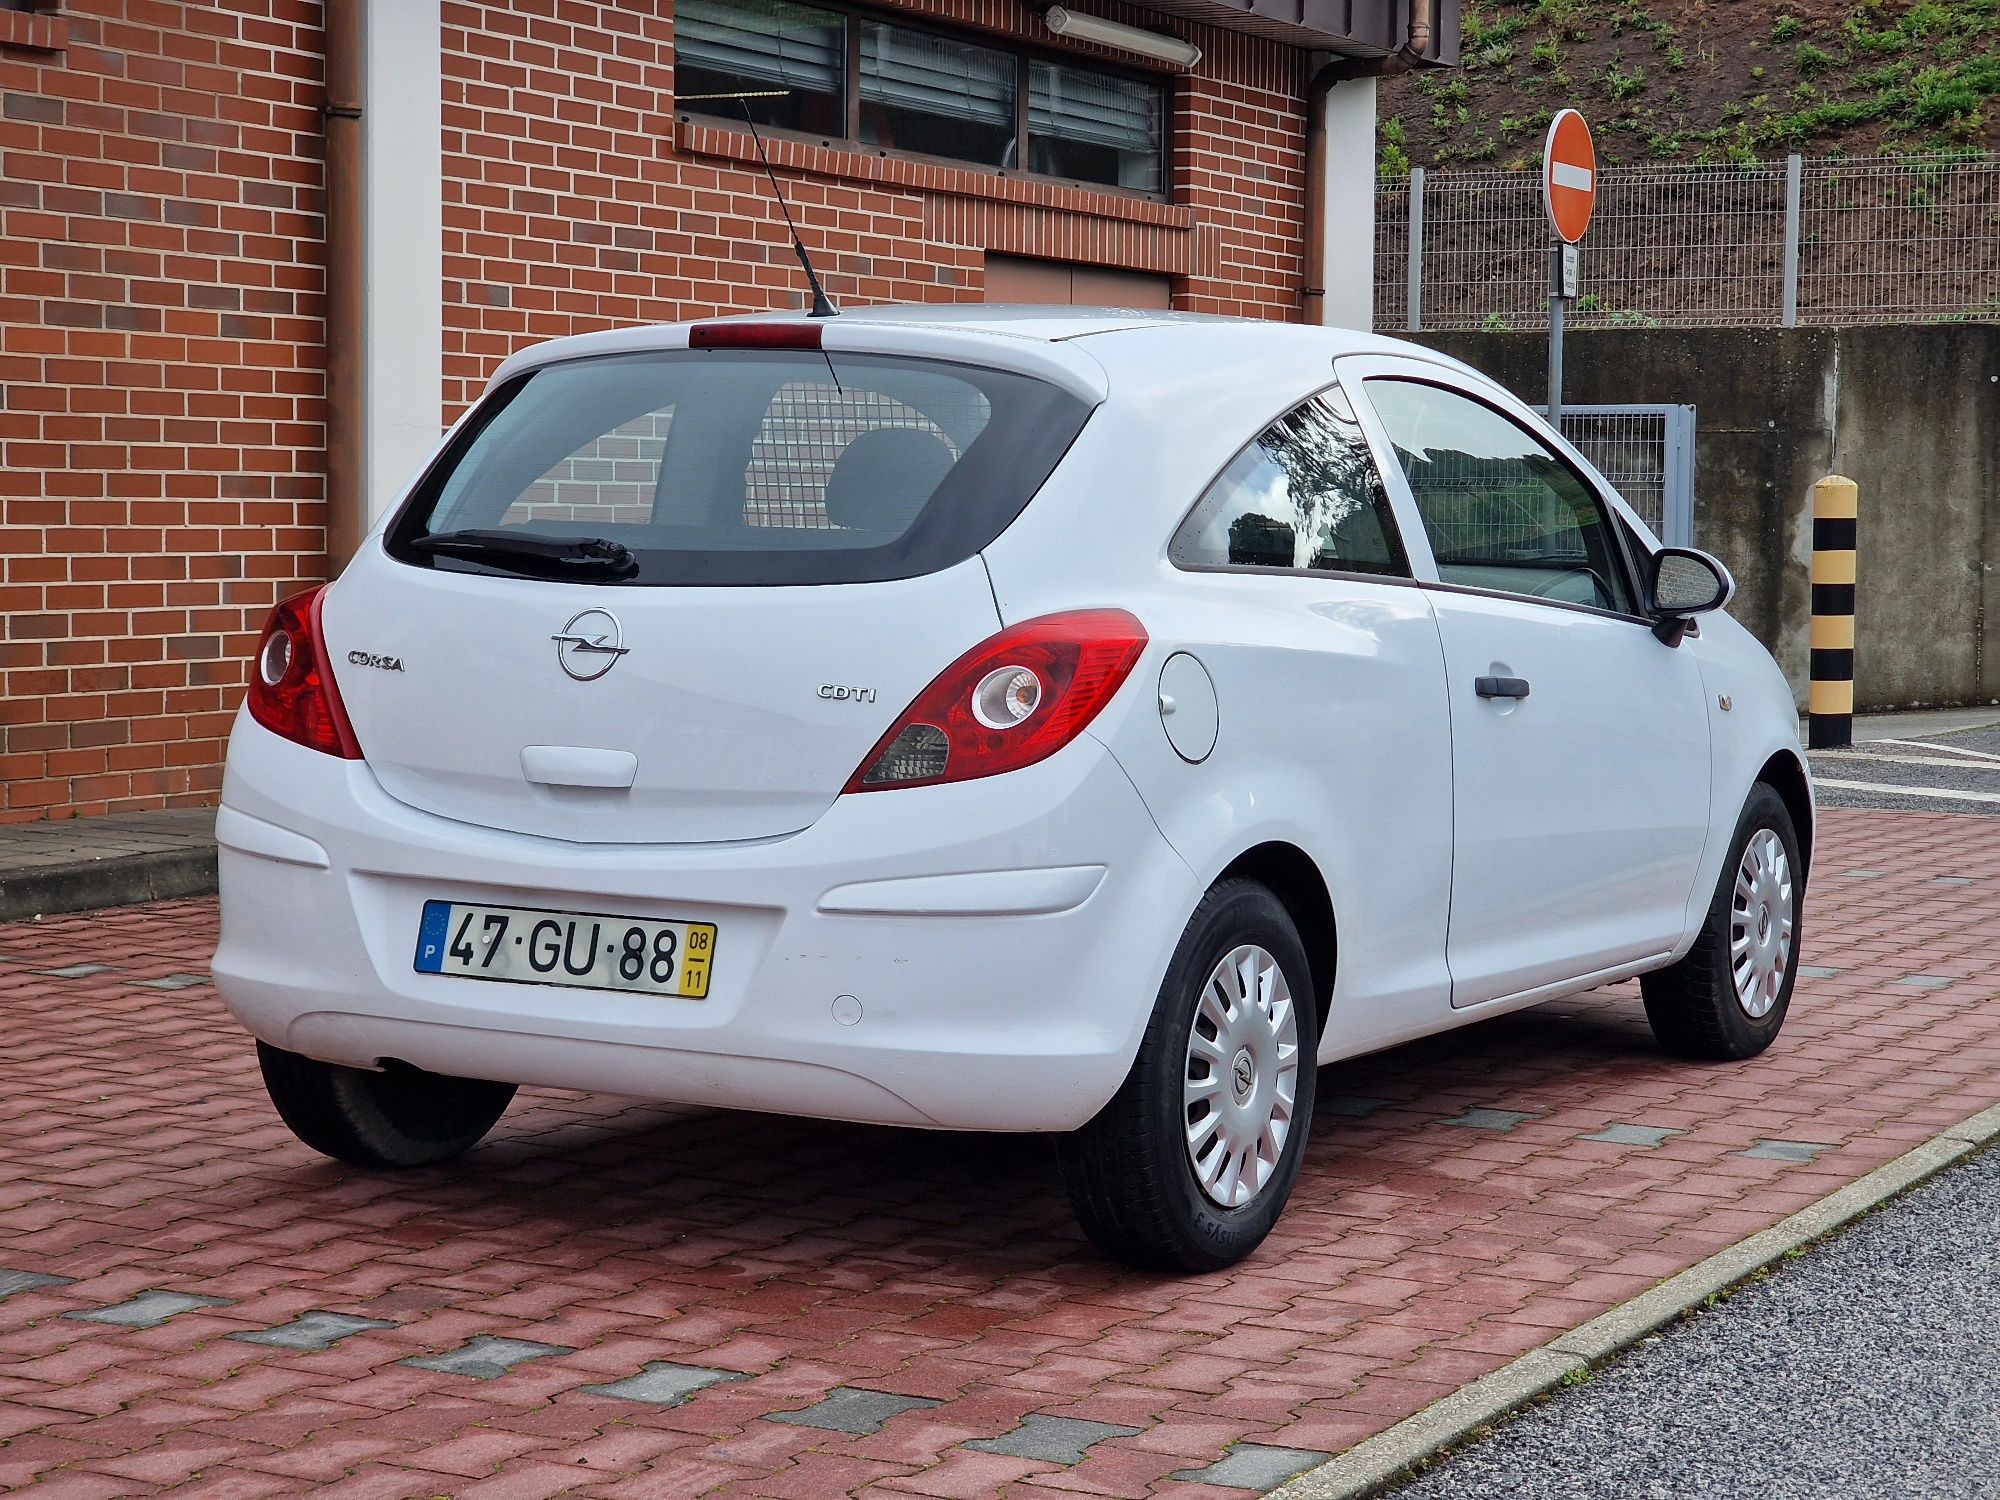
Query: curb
{"points": [[120, 881], [1376, 1463]]}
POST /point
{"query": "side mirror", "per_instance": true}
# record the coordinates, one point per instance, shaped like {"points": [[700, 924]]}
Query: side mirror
{"points": [[1685, 583]]}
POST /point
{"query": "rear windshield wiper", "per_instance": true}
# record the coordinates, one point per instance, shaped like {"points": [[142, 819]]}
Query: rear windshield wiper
{"points": [[535, 556]]}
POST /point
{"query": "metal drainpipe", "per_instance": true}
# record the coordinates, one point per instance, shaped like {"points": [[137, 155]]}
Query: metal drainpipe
{"points": [[346, 502], [1312, 295]]}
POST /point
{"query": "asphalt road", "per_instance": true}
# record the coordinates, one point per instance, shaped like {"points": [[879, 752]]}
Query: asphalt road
{"points": [[1932, 766], [1869, 1366]]}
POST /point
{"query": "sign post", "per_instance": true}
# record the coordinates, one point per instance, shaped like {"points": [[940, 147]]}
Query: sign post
{"points": [[1569, 193]]}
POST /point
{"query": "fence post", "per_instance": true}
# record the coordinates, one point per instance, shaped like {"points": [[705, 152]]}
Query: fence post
{"points": [[1830, 695], [1794, 175], [1415, 321], [1677, 476]]}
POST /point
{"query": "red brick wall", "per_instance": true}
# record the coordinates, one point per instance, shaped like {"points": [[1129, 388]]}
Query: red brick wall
{"points": [[160, 350], [161, 334], [576, 199]]}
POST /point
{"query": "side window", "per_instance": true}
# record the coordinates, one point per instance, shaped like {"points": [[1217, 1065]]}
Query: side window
{"points": [[1501, 509], [1303, 495]]}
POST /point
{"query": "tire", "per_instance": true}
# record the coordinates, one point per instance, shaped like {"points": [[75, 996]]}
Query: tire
{"points": [[399, 1117], [1131, 1172], [1695, 1006]]}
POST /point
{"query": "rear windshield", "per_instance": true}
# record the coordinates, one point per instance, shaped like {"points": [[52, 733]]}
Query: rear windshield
{"points": [[748, 467]]}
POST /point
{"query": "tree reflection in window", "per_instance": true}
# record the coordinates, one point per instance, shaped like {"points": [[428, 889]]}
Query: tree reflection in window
{"points": [[1304, 495]]}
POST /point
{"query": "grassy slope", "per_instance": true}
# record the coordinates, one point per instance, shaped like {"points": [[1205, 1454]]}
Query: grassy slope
{"points": [[1704, 80]]}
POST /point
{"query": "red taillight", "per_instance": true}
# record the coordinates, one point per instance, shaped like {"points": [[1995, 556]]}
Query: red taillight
{"points": [[754, 336], [1009, 702], [292, 692]]}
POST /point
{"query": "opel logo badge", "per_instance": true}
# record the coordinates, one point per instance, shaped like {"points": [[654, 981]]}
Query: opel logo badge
{"points": [[1244, 1073], [590, 644]]}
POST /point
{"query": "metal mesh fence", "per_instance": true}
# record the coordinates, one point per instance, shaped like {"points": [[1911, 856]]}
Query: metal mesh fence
{"points": [[1629, 449], [1885, 239], [1899, 240]]}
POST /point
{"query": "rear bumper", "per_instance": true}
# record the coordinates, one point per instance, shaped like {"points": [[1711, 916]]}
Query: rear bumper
{"points": [[1004, 940]]}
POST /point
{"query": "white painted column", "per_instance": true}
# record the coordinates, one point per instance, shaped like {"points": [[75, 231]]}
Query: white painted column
{"points": [[402, 326], [1349, 232]]}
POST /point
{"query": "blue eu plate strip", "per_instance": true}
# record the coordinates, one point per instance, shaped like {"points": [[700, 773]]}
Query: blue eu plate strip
{"points": [[432, 936]]}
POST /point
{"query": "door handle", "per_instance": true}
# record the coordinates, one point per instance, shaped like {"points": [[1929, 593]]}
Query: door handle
{"points": [[1500, 687]]}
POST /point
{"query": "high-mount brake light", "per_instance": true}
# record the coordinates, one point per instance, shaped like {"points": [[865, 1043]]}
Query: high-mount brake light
{"points": [[292, 692], [1008, 702], [754, 336]]}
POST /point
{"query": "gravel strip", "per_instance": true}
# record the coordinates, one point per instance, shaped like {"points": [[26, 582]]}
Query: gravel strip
{"points": [[1867, 1366]]}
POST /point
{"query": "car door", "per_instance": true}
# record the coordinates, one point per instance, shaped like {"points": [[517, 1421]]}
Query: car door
{"points": [[1293, 614], [1580, 757]]}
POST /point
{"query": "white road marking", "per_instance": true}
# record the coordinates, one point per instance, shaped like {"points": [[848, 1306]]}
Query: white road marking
{"points": [[1929, 745], [1908, 791], [1909, 760], [1568, 175]]}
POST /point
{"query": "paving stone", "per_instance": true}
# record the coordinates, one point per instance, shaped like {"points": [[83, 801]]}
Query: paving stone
{"points": [[1350, 1106], [1955, 880], [1815, 971], [1801, 1151], [313, 1330], [486, 1357], [664, 1384], [1927, 981], [1054, 1440], [849, 1408], [149, 1309], [77, 971], [1865, 874], [27, 1281], [1621, 1134], [780, 1251], [1253, 1466], [170, 982], [1489, 1119]]}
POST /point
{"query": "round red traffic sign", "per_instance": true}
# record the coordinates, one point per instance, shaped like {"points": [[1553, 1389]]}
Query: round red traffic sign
{"points": [[1569, 175]]}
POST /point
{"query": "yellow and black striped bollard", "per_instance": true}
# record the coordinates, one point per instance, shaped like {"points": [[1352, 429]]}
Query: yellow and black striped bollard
{"points": [[1830, 700]]}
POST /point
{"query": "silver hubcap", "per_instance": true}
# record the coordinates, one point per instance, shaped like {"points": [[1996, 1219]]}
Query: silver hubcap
{"points": [[1760, 924], [1242, 1075]]}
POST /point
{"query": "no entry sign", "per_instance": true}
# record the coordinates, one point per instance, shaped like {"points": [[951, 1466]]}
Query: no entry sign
{"points": [[1569, 175]]}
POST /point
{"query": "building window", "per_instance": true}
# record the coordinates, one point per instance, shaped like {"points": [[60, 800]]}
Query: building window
{"points": [[787, 63], [938, 96], [1096, 127], [857, 77]]}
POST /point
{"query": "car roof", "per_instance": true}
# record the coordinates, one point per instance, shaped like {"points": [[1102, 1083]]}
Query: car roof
{"points": [[1062, 331]]}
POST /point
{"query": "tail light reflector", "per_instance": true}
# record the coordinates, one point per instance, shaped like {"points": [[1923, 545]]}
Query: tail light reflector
{"points": [[1008, 702], [292, 692]]}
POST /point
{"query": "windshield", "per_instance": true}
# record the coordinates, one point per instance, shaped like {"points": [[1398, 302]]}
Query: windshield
{"points": [[741, 467]]}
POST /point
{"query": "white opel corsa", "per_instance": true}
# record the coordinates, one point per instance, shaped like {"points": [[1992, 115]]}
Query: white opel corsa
{"points": [[994, 719]]}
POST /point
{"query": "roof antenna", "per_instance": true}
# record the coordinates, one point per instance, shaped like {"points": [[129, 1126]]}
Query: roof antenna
{"points": [[822, 304]]}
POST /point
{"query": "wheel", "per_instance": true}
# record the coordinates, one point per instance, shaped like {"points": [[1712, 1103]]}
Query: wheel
{"points": [[1728, 997], [1190, 1164], [399, 1117]]}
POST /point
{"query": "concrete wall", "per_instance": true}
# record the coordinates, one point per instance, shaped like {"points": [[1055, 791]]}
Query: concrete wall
{"points": [[1911, 414]]}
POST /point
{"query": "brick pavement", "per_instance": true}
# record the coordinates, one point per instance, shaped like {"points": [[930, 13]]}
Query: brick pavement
{"points": [[665, 1303]]}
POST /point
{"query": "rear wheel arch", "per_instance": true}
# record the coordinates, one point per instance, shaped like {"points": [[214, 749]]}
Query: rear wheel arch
{"points": [[1292, 875], [1784, 774]]}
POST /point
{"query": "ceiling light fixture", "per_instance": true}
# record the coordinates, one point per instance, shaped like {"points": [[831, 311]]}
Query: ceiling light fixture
{"points": [[1153, 44]]}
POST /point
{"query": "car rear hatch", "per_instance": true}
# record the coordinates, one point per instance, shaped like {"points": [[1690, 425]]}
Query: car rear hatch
{"points": [[675, 596]]}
